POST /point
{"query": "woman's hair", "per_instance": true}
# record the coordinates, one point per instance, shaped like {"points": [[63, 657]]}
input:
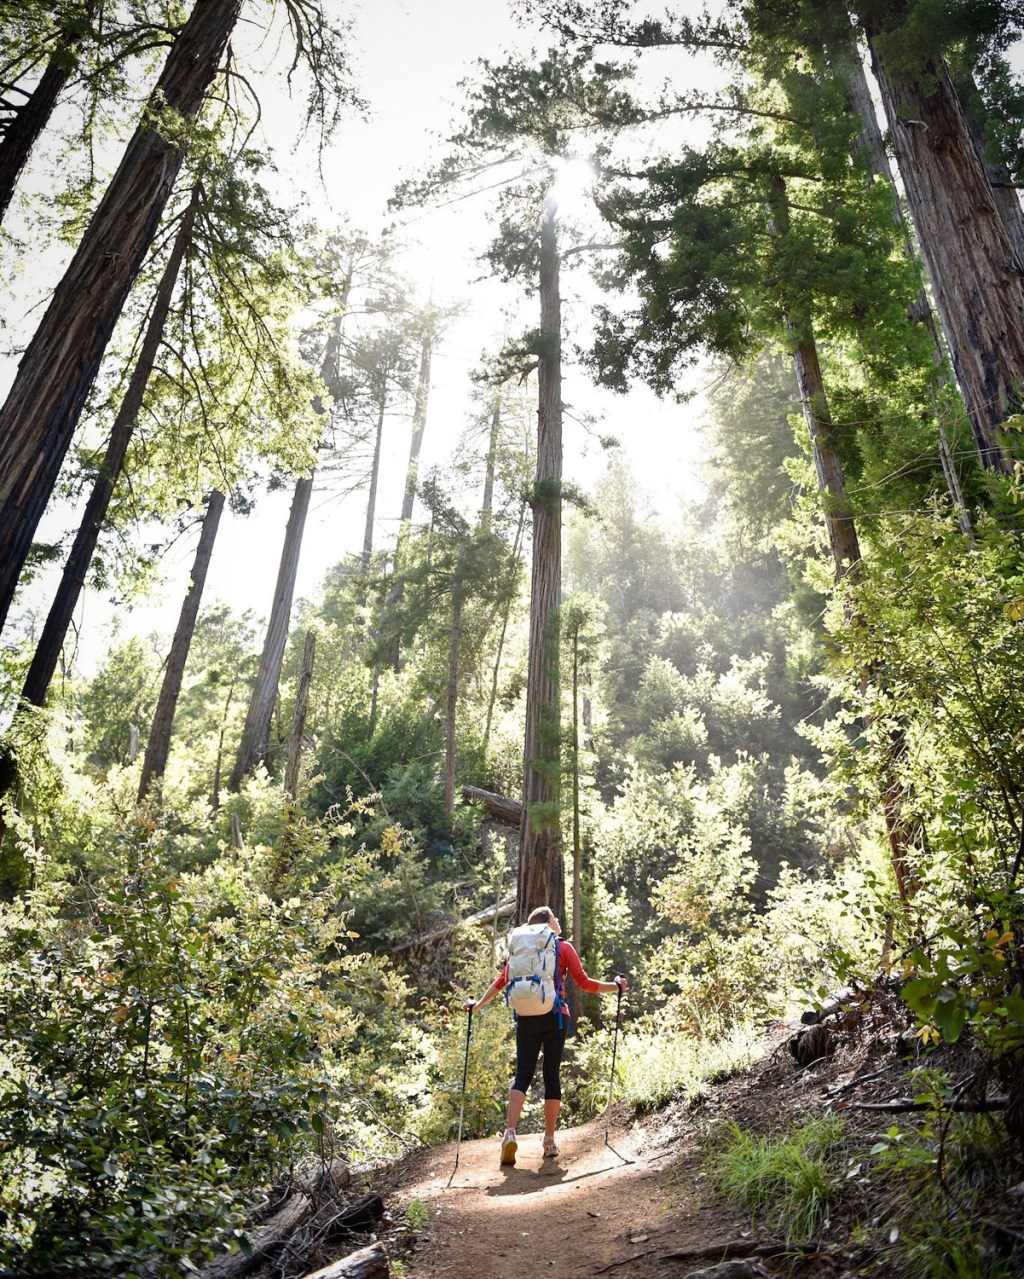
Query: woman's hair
{"points": [[542, 915]]}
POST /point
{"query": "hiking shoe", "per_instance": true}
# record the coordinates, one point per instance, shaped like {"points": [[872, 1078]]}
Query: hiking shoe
{"points": [[550, 1148], [509, 1146]]}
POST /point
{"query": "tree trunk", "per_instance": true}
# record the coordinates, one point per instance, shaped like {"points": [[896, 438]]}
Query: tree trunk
{"points": [[419, 425], [453, 691], [842, 532], [367, 1263], [252, 749], [256, 734], [219, 763], [159, 744], [920, 309], [371, 499], [999, 178], [974, 270], [541, 870], [577, 847], [60, 364], [294, 769], [51, 641], [487, 503], [392, 655], [499, 806], [495, 672], [30, 120]]}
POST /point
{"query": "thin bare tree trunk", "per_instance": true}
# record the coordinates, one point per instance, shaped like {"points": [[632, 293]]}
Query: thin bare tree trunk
{"points": [[492, 453], [219, 763], [371, 499], [975, 272], [453, 688], [842, 531], [159, 745], [493, 697], [541, 869], [419, 426], [252, 749], [60, 364], [294, 769], [577, 846], [30, 119]]}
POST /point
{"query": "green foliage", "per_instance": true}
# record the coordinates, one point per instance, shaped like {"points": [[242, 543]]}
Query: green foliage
{"points": [[936, 620], [119, 699], [162, 1046], [654, 1064], [491, 1058], [791, 1178], [928, 1162]]}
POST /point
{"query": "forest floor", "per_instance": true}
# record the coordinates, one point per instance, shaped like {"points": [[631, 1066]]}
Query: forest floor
{"points": [[639, 1205]]}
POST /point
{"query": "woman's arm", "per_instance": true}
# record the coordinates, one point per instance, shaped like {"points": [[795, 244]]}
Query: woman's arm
{"points": [[585, 982], [499, 983]]}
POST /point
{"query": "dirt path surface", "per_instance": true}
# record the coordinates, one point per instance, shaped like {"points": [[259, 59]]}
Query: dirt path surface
{"points": [[617, 1209]]}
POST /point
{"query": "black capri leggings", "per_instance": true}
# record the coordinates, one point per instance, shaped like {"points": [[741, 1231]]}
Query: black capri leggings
{"points": [[533, 1034]]}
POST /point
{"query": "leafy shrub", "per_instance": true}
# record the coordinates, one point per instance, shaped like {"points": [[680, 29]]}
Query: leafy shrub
{"points": [[490, 1060], [165, 1052]]}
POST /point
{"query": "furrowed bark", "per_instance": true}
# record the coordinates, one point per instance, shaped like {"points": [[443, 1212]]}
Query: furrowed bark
{"points": [[31, 119], [541, 871], [51, 641], [60, 364], [977, 278], [159, 745], [919, 310]]}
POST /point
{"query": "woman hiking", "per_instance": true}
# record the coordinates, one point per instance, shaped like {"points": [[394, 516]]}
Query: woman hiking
{"points": [[538, 962]]}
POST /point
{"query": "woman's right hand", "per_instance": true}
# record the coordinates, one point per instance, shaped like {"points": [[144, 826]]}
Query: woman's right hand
{"points": [[469, 1005]]}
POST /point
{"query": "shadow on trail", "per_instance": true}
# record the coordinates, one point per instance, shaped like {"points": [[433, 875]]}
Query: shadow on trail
{"points": [[528, 1181]]}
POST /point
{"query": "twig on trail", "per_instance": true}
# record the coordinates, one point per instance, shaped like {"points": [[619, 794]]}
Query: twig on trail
{"points": [[624, 1261], [738, 1248], [903, 1104], [860, 1079]]}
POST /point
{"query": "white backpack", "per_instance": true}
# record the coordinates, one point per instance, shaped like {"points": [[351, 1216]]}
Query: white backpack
{"points": [[533, 984]]}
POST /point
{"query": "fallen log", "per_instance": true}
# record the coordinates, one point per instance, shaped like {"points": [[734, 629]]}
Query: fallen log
{"points": [[284, 1220], [324, 1179], [901, 1105], [262, 1242], [367, 1263], [332, 1222], [500, 806], [486, 916]]}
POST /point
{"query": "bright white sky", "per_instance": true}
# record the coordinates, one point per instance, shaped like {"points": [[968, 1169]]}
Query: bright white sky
{"points": [[412, 55]]}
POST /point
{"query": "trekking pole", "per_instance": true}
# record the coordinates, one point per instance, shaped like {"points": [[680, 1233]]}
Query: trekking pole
{"points": [[462, 1103], [615, 1048]]}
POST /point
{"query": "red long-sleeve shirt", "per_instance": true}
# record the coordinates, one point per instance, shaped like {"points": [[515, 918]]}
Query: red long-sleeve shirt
{"points": [[568, 961]]}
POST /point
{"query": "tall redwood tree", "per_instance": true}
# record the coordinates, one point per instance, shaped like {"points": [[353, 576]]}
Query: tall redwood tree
{"points": [[61, 362]]}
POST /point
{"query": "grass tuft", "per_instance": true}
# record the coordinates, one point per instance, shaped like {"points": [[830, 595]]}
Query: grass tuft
{"points": [[789, 1178]]}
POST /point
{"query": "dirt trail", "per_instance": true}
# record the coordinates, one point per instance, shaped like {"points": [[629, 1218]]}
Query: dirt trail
{"points": [[598, 1209]]}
